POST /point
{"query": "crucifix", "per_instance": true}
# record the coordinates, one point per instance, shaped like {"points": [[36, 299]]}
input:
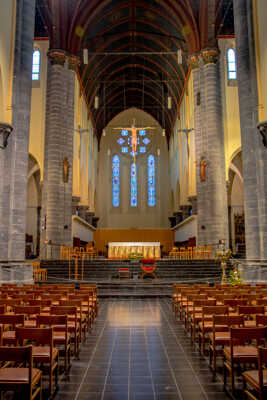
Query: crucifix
{"points": [[134, 130]]}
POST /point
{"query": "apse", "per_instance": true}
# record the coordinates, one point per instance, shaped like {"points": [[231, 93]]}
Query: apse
{"points": [[133, 179]]}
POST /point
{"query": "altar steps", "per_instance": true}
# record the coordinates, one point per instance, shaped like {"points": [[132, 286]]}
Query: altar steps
{"points": [[104, 273]]}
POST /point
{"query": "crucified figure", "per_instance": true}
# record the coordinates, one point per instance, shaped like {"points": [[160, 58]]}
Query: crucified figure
{"points": [[134, 130]]}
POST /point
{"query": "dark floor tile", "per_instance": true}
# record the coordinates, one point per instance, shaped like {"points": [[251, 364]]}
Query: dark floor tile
{"points": [[116, 388], [114, 396], [161, 388]]}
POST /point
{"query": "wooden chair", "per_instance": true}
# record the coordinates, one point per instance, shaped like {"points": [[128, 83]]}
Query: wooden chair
{"points": [[44, 352], [61, 337], [93, 298], [2, 309], [30, 313], [148, 266], [197, 315], [256, 379], [9, 323], [205, 326], [220, 335], [241, 350], [43, 304], [26, 379], [10, 303], [73, 325], [81, 317], [87, 307], [249, 313], [261, 320]]}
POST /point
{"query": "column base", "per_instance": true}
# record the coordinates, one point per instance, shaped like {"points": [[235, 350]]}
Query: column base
{"points": [[16, 272], [253, 271]]}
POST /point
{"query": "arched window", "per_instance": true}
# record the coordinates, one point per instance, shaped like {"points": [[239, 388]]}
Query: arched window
{"points": [[231, 64], [133, 185], [36, 59], [116, 181], [151, 178]]}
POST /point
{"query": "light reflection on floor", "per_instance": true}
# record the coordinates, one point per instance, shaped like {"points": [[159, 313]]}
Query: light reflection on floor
{"points": [[123, 315]]}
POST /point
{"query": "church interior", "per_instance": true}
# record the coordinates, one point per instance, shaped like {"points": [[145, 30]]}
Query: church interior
{"points": [[133, 199]]}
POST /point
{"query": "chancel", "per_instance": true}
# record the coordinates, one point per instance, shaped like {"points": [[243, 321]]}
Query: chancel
{"points": [[132, 145]]}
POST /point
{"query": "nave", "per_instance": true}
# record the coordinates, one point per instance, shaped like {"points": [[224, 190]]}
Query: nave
{"points": [[138, 351]]}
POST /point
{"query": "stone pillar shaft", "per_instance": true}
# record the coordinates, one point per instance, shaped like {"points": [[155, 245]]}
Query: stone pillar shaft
{"points": [[252, 156], [57, 196], [14, 160], [209, 137]]}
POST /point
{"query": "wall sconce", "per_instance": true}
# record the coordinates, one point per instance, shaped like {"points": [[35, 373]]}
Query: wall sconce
{"points": [[158, 152], [5, 130], [163, 132], [262, 128]]}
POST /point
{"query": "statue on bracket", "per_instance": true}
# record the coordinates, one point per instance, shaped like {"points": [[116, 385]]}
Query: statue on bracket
{"points": [[66, 167], [202, 169]]}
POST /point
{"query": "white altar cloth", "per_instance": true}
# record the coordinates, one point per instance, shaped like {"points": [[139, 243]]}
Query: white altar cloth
{"points": [[124, 249]]}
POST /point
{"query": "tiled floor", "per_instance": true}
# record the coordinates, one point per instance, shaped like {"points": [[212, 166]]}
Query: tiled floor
{"points": [[138, 352]]}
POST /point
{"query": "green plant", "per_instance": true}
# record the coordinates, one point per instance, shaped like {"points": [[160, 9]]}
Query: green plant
{"points": [[235, 277]]}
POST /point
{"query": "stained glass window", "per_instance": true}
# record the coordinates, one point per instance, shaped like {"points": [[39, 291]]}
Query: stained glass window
{"points": [[120, 141], [116, 181], [231, 64], [142, 132], [36, 59], [133, 185], [124, 132], [142, 149], [146, 141], [151, 177], [124, 149]]}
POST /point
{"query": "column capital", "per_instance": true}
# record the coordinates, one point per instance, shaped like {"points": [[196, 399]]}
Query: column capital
{"points": [[57, 57], [210, 56], [73, 62], [193, 60], [5, 130]]}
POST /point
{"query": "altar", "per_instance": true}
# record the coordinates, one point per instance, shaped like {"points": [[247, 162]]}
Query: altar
{"points": [[122, 250]]}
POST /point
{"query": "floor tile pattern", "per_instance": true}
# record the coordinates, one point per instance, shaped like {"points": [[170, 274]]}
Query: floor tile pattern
{"points": [[138, 352]]}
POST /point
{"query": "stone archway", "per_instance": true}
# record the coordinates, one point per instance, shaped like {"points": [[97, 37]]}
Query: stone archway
{"points": [[236, 204], [33, 209]]}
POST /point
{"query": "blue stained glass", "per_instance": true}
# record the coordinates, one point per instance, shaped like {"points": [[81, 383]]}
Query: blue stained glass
{"points": [[151, 177], [124, 149], [133, 185], [36, 60], [132, 153], [120, 141], [142, 149], [231, 64], [124, 132], [116, 181], [146, 141], [142, 132]]}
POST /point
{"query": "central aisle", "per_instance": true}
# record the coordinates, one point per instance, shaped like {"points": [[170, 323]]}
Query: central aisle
{"points": [[137, 352]]}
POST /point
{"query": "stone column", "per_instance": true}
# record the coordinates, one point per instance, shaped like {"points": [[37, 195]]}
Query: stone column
{"points": [[254, 159], [209, 136], [57, 194], [5, 130], [17, 150]]}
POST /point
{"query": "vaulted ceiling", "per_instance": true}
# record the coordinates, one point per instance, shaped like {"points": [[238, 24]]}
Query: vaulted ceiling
{"points": [[132, 49]]}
